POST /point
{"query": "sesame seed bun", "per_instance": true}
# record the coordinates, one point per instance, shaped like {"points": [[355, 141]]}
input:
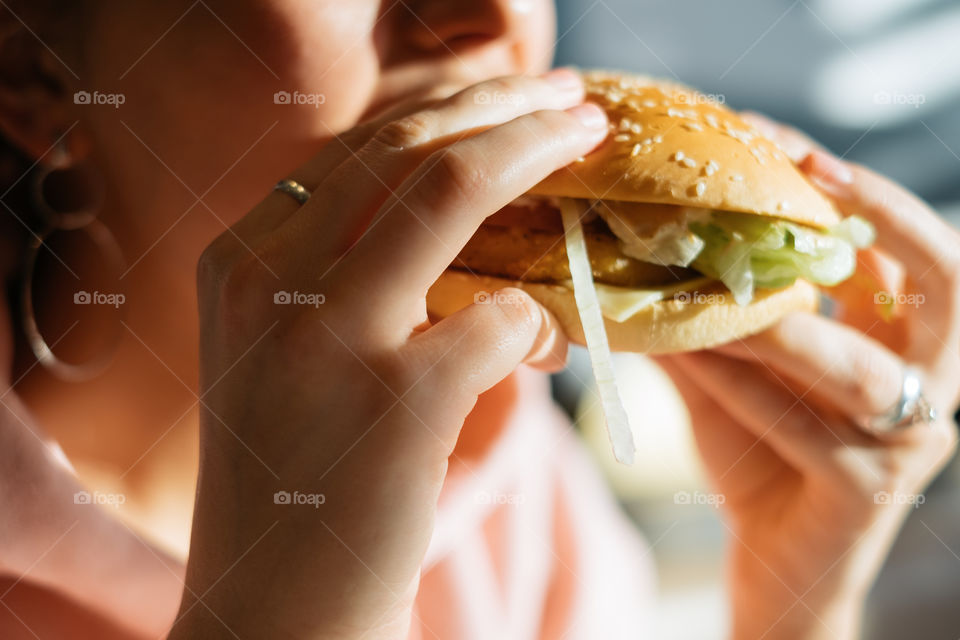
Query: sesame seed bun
{"points": [[670, 144], [685, 323]]}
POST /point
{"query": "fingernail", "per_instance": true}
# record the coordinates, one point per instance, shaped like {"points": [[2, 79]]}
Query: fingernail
{"points": [[827, 170], [589, 115], [563, 79]]}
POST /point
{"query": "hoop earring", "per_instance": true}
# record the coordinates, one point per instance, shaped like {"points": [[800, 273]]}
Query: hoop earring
{"points": [[58, 215]]}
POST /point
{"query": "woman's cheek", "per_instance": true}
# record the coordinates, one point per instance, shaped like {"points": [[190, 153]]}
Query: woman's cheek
{"points": [[230, 97]]}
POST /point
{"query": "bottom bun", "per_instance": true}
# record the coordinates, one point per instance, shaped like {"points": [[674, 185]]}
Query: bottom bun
{"points": [[668, 326]]}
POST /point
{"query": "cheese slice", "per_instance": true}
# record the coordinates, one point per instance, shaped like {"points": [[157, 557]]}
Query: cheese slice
{"points": [[621, 303]]}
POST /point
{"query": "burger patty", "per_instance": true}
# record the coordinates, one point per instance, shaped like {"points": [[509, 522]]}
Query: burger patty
{"points": [[539, 255]]}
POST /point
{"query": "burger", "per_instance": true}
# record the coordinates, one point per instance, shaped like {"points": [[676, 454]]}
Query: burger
{"points": [[684, 229], [698, 229]]}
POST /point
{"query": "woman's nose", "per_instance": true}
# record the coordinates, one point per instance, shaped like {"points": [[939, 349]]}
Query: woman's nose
{"points": [[453, 24]]}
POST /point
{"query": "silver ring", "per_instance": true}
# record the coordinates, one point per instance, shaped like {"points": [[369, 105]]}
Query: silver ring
{"points": [[293, 189], [910, 409]]}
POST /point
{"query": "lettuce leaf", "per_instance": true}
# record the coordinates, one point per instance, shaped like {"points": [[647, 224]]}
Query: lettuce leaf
{"points": [[747, 251], [651, 238]]}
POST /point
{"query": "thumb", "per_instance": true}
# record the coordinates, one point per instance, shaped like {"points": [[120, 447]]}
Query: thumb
{"points": [[877, 273], [480, 345], [864, 299]]}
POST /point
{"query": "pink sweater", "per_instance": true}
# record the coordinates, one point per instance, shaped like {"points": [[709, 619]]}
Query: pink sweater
{"points": [[530, 545]]}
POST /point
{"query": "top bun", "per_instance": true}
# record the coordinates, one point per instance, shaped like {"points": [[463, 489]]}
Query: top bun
{"points": [[670, 144]]}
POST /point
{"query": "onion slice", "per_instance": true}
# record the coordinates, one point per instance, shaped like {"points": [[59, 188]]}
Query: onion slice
{"points": [[591, 317]]}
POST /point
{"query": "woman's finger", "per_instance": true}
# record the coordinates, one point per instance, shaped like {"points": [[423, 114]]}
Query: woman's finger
{"points": [[858, 376], [906, 227], [414, 238], [806, 438], [868, 299], [277, 207], [351, 193], [912, 233], [475, 348], [549, 350], [726, 447]]}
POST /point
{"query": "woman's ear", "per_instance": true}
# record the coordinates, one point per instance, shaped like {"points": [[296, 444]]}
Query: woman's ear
{"points": [[35, 96]]}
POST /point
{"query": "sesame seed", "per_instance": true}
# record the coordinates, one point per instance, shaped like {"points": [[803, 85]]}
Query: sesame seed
{"points": [[658, 138], [679, 156], [674, 113], [701, 188], [647, 140], [693, 126], [636, 128], [742, 136], [783, 206], [624, 124], [736, 177], [636, 150], [712, 120], [710, 168], [688, 162], [581, 159], [622, 137], [649, 104]]}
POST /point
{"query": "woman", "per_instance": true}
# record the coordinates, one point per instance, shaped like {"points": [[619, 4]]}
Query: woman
{"points": [[327, 430]]}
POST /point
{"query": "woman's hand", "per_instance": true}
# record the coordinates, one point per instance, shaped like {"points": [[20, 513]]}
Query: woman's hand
{"points": [[814, 501], [329, 418]]}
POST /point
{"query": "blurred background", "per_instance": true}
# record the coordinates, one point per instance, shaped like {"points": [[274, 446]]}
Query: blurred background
{"points": [[876, 81]]}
